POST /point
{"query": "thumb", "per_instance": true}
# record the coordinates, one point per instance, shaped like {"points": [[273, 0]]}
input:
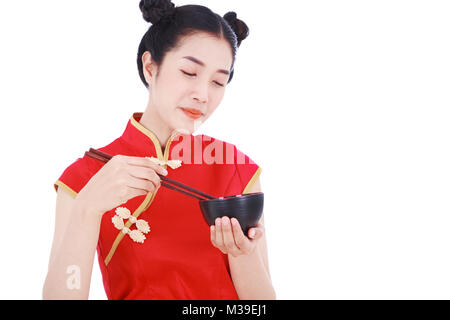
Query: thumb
{"points": [[255, 233]]}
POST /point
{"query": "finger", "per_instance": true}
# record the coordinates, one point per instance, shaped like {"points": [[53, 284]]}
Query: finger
{"points": [[228, 237], [132, 193], [146, 185], [212, 232], [256, 232], [219, 237], [260, 230], [145, 172], [241, 240], [141, 176], [145, 162], [251, 233]]}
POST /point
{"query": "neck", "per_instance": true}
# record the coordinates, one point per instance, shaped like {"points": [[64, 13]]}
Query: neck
{"points": [[151, 120]]}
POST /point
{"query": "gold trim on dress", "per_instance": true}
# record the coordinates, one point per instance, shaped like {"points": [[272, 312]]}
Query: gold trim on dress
{"points": [[59, 183], [147, 201], [252, 181], [148, 133], [150, 196], [153, 137]]}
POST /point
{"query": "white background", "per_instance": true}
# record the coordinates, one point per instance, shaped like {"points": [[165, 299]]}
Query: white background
{"points": [[344, 105]]}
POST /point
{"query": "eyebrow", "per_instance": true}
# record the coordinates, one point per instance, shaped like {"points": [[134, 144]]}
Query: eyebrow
{"points": [[203, 64]]}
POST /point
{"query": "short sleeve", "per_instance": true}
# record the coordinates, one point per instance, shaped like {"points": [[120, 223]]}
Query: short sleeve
{"points": [[247, 171], [75, 177]]}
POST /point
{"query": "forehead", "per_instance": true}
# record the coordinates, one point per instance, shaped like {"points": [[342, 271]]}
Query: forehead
{"points": [[214, 52]]}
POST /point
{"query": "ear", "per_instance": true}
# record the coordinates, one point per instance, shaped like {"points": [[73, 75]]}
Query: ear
{"points": [[148, 66]]}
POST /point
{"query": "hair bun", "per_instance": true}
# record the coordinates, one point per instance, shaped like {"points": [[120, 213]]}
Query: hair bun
{"points": [[155, 10], [238, 26]]}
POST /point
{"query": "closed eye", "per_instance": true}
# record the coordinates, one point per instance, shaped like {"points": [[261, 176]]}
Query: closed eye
{"points": [[189, 74], [193, 74]]}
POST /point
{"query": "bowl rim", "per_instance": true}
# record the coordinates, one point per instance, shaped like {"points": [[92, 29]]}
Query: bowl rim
{"points": [[236, 196]]}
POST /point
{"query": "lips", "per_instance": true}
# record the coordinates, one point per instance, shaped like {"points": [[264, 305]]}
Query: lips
{"points": [[192, 113]]}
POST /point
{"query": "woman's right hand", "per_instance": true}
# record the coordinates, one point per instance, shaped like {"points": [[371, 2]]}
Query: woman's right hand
{"points": [[120, 179]]}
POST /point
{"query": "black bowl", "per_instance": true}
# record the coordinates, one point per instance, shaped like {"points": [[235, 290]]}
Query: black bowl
{"points": [[246, 208]]}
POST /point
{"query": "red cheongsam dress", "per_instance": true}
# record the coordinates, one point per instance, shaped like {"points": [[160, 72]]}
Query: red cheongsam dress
{"points": [[176, 260]]}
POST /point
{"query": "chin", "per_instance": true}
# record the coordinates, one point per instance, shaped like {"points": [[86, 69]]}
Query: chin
{"points": [[188, 126], [184, 128]]}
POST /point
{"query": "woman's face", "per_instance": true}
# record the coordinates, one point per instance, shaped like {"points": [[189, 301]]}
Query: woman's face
{"points": [[194, 75]]}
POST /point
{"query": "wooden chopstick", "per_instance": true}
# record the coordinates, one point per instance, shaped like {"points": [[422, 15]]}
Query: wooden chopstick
{"points": [[174, 182], [104, 157], [100, 158]]}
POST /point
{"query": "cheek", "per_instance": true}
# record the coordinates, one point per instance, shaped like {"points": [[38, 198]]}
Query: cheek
{"points": [[169, 93], [171, 82], [177, 89], [216, 98], [213, 105]]}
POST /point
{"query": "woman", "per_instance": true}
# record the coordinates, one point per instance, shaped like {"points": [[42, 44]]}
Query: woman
{"points": [[153, 243]]}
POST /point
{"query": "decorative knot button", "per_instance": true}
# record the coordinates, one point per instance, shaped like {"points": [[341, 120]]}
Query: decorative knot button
{"points": [[142, 226], [171, 163]]}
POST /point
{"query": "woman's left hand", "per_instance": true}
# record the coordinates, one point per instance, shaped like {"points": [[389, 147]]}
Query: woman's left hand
{"points": [[228, 237]]}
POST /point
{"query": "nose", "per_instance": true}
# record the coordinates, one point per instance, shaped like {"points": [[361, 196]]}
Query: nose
{"points": [[201, 92]]}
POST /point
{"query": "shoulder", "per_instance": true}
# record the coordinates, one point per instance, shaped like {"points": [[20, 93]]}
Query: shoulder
{"points": [[75, 176], [226, 147], [247, 171]]}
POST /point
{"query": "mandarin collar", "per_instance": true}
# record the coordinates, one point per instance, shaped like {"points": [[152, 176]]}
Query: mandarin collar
{"points": [[145, 140]]}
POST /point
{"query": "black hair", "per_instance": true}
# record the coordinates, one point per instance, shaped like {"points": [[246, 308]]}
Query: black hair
{"points": [[170, 24]]}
